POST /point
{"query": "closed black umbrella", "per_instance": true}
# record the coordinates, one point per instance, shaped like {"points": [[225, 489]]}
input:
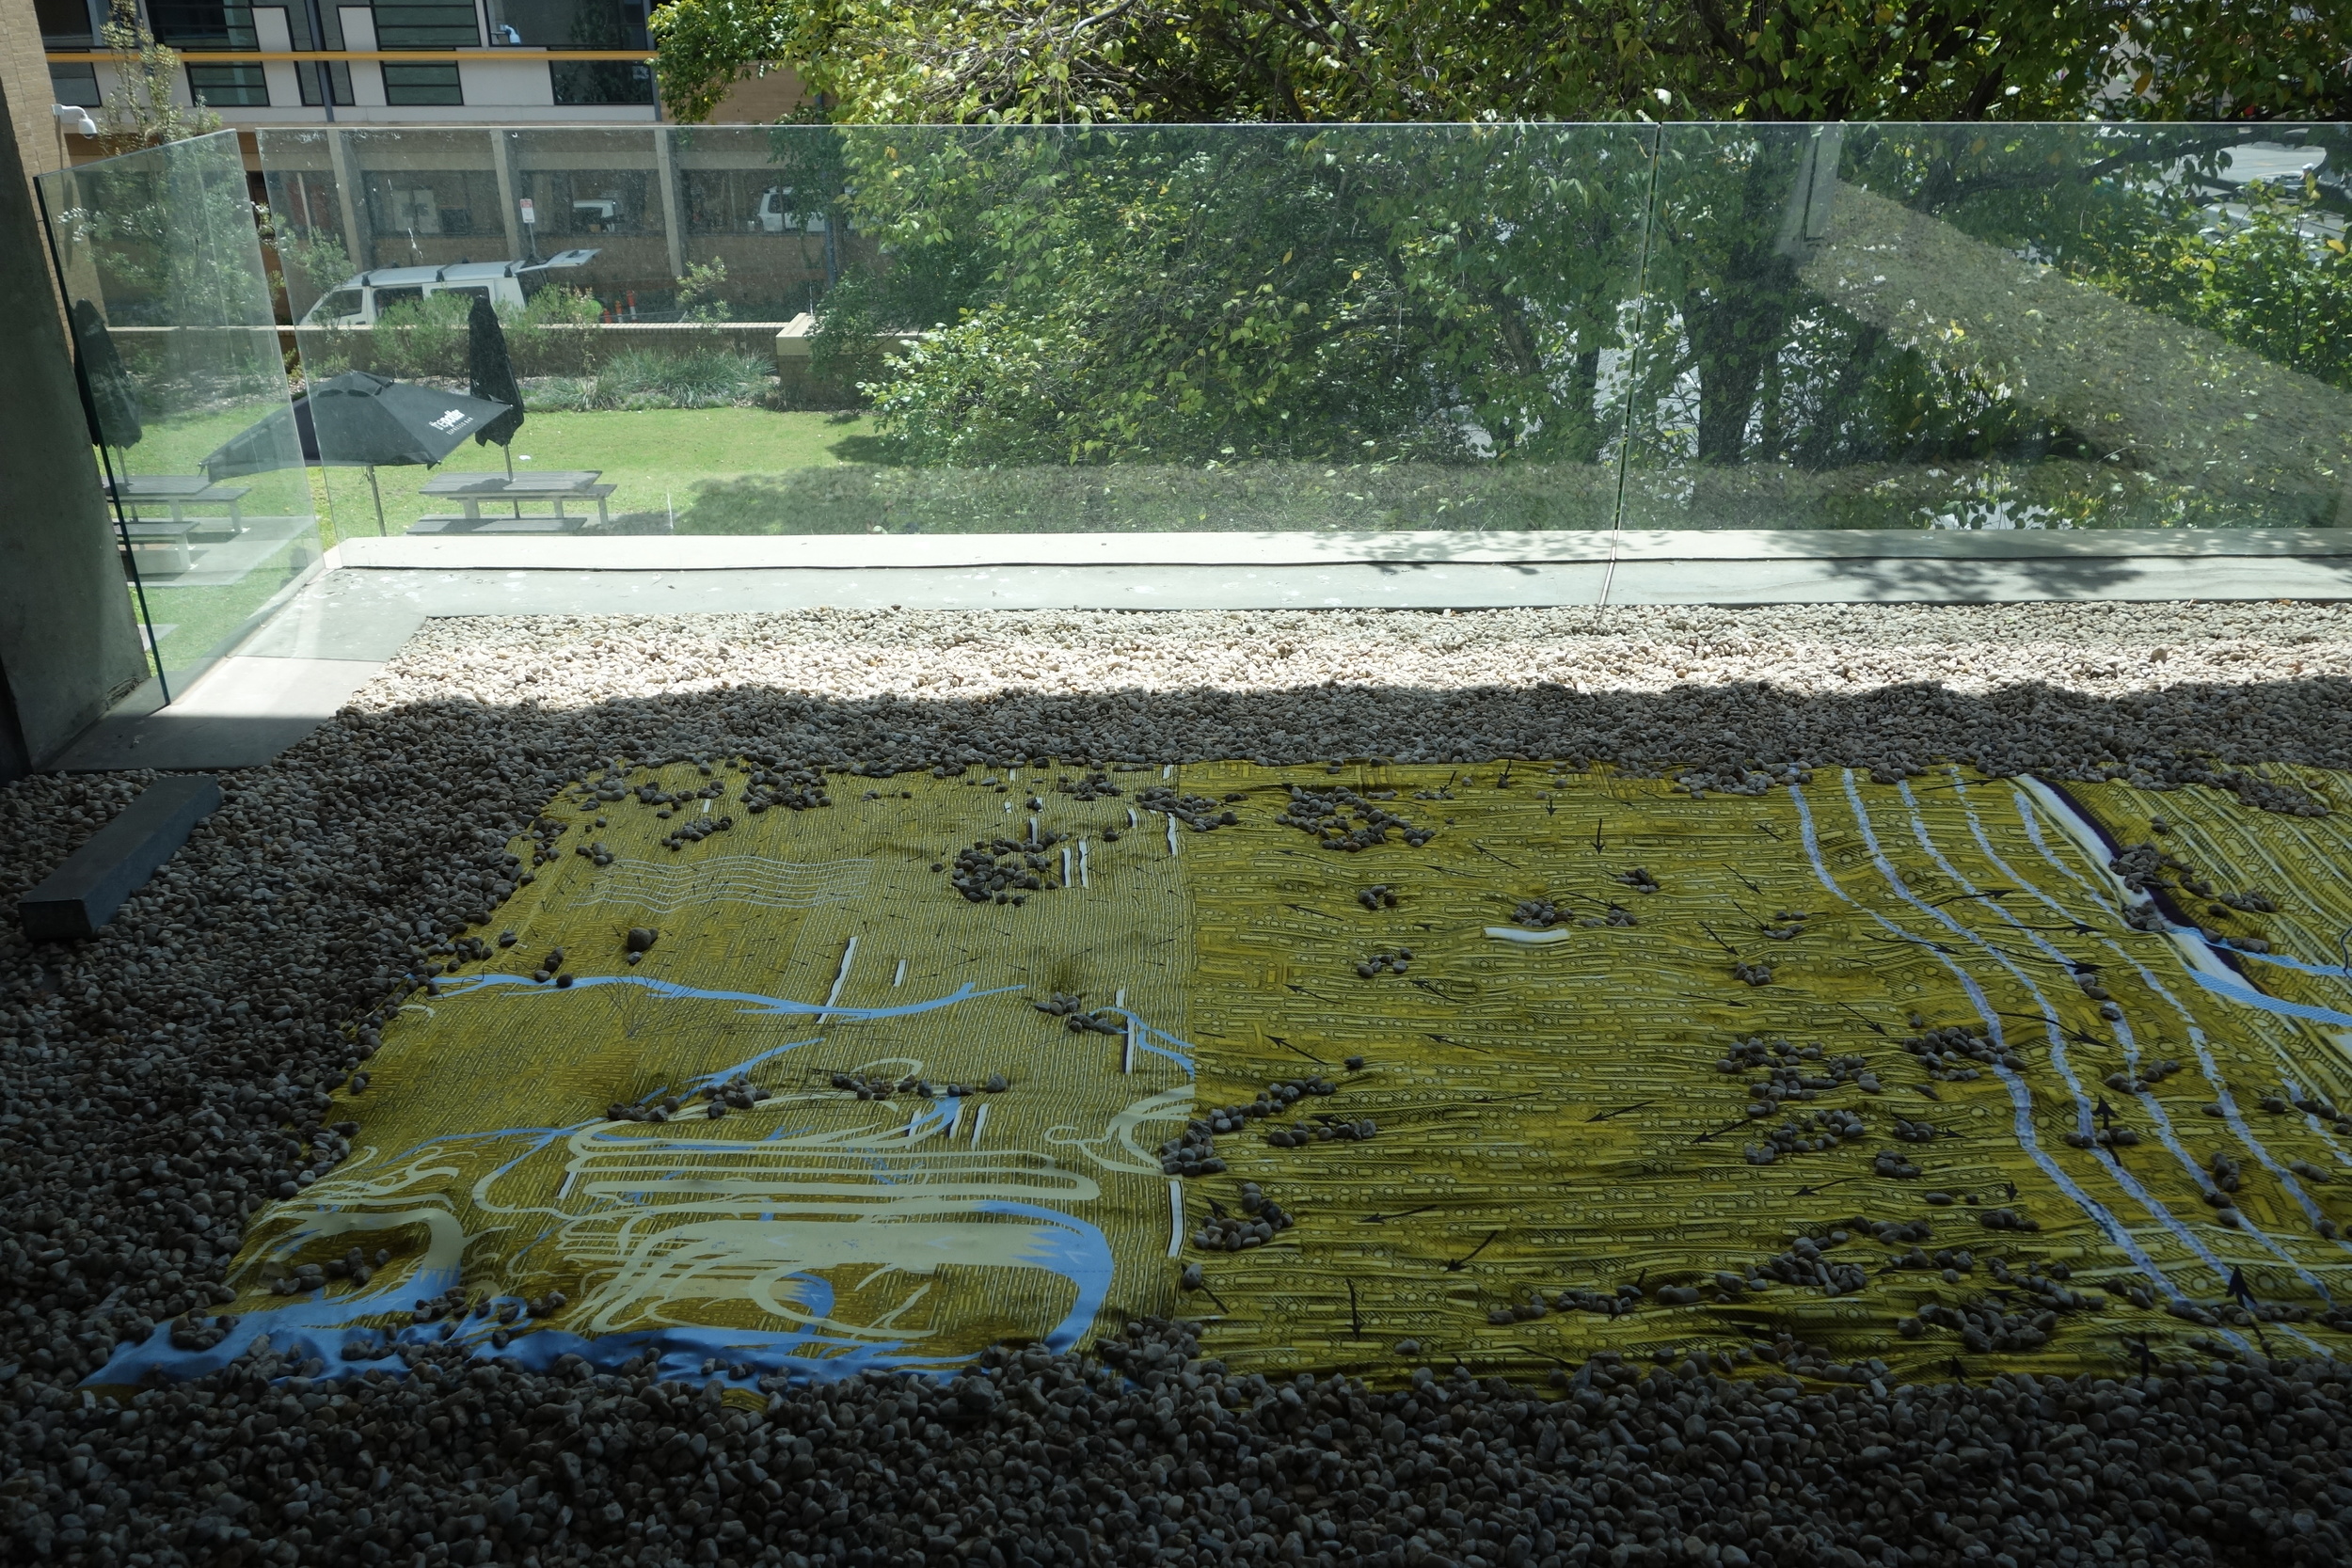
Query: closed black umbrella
{"points": [[111, 404], [357, 420], [491, 372]]}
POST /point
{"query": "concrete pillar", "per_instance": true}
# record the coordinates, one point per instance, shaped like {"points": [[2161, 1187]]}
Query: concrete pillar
{"points": [[351, 200], [68, 644], [673, 217], [510, 191]]}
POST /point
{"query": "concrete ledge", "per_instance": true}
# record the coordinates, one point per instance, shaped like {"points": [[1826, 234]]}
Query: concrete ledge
{"points": [[245, 712], [876, 552], [81, 896]]}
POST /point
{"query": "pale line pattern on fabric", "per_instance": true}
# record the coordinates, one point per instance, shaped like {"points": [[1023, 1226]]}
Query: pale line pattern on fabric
{"points": [[2161, 1120], [2051, 1032], [2289, 1077], [2232, 1115], [2021, 1101], [754, 879]]}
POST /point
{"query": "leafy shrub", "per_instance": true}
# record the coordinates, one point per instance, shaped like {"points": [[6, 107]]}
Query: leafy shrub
{"points": [[311, 260], [534, 348], [1358, 499], [422, 336], [698, 292], [642, 379], [560, 394], [709, 378]]}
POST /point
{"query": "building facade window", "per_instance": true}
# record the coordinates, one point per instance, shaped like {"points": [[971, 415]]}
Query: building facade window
{"points": [[411, 85], [322, 79], [574, 203], [572, 24], [426, 26], [75, 84], [588, 82], [66, 25], [229, 87], [727, 200], [432, 202], [196, 25]]}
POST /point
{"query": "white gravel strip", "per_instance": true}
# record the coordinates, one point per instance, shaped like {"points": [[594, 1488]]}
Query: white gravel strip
{"points": [[2008, 687]]}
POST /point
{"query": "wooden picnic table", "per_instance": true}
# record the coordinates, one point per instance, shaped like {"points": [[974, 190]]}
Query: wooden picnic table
{"points": [[472, 491]]}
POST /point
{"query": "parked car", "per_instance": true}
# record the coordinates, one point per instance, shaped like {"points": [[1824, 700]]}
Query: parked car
{"points": [[357, 301], [777, 215]]}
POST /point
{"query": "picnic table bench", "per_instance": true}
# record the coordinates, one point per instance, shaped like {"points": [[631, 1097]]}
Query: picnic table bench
{"points": [[471, 492], [162, 544], [165, 541]]}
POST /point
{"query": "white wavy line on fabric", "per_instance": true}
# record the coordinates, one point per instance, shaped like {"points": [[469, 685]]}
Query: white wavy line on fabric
{"points": [[2195, 957], [1526, 938], [2026, 804], [840, 979], [2021, 1102], [2245, 995], [659, 888], [2157, 1114], [1175, 1217], [2050, 1027], [2198, 955], [2230, 1114]]}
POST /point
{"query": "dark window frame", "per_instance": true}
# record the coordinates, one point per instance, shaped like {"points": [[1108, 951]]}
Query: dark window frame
{"points": [[228, 86], [80, 29], [427, 24], [416, 87], [193, 27], [79, 86]]}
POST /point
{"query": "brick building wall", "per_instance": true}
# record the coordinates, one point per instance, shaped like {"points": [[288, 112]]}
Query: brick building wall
{"points": [[24, 80]]}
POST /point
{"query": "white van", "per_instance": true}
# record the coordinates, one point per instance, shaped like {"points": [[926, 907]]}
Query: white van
{"points": [[777, 215], [357, 301]]}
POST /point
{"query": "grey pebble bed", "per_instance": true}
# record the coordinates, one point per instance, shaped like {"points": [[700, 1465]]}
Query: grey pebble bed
{"points": [[162, 1081]]}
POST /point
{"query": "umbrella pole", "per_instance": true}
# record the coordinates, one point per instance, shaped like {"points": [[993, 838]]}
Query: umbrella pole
{"points": [[508, 448], [379, 500]]}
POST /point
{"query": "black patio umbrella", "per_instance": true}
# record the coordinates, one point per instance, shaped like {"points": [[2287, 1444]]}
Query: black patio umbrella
{"points": [[357, 420]]}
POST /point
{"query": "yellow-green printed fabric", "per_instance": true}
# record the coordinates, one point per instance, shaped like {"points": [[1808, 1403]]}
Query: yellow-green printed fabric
{"points": [[1501, 1065]]}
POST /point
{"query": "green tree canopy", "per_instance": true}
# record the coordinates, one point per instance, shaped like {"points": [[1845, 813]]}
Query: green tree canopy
{"points": [[1291, 60]]}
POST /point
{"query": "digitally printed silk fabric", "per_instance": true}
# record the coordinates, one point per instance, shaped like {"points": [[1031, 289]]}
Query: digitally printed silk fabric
{"points": [[1948, 1075]]}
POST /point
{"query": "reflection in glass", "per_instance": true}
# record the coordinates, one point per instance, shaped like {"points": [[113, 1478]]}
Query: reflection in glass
{"points": [[1369, 328], [171, 319], [1990, 328]]}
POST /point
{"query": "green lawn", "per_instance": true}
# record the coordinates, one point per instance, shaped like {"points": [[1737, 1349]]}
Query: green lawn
{"points": [[195, 614], [658, 457]]}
